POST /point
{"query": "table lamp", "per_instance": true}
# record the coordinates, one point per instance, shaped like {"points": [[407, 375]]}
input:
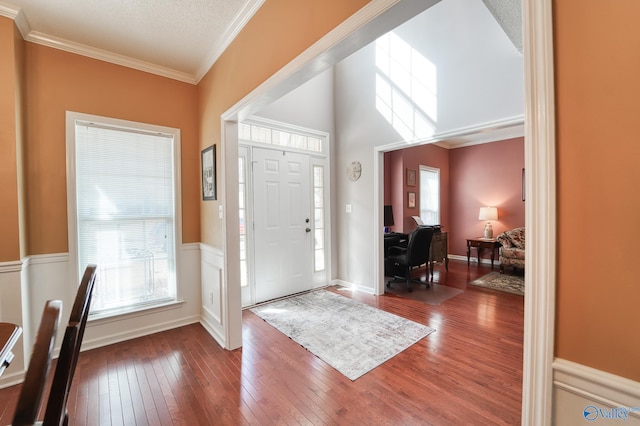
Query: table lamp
{"points": [[488, 214]]}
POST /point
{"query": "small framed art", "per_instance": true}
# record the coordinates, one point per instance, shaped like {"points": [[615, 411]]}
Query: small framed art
{"points": [[411, 177], [208, 157], [411, 200]]}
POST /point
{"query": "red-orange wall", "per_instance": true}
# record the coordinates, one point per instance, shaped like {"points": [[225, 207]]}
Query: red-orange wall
{"points": [[470, 178], [597, 104], [485, 175], [396, 188], [58, 81]]}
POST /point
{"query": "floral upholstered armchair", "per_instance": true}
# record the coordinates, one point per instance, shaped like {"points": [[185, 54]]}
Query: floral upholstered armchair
{"points": [[512, 250]]}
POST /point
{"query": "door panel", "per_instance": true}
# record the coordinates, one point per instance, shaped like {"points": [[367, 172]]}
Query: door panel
{"points": [[282, 210]]}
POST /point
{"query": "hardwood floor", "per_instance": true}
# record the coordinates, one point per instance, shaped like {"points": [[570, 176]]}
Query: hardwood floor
{"points": [[468, 372]]}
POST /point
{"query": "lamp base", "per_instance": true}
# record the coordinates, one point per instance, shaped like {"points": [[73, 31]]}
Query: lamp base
{"points": [[488, 231]]}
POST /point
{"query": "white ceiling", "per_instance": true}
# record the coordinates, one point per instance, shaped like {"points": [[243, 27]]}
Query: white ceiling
{"points": [[175, 39]]}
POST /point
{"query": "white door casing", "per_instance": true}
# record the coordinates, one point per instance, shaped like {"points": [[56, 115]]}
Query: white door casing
{"points": [[282, 223]]}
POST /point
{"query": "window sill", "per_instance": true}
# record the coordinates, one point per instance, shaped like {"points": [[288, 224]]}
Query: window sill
{"points": [[123, 314]]}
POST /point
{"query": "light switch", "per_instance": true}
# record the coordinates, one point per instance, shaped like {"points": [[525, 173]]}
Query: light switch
{"points": [[347, 208], [220, 211]]}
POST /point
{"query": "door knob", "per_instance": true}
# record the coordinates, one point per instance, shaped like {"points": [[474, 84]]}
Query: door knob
{"points": [[308, 230]]}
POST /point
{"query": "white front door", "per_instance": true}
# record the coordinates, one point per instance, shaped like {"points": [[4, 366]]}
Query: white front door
{"points": [[282, 224]]}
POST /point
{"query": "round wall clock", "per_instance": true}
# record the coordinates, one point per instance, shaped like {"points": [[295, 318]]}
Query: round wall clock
{"points": [[354, 171]]}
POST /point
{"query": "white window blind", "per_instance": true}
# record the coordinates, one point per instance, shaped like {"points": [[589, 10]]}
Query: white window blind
{"points": [[430, 195], [125, 199]]}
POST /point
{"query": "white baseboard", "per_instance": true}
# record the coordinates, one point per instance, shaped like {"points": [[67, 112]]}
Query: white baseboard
{"points": [[583, 394], [128, 334], [353, 286], [474, 260]]}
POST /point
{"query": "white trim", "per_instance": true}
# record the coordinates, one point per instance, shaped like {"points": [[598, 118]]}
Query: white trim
{"points": [[595, 385], [234, 28], [474, 259], [12, 12], [12, 266], [41, 259], [132, 333], [106, 56], [231, 292], [491, 131], [540, 213], [352, 286]]}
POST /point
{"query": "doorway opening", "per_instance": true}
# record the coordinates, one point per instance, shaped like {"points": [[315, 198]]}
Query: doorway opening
{"points": [[373, 20], [283, 196]]}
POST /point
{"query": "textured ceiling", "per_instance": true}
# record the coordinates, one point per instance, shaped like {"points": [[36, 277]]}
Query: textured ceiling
{"points": [[508, 13], [180, 39]]}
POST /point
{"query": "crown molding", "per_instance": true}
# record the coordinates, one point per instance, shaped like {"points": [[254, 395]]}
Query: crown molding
{"points": [[106, 56], [247, 12], [18, 16], [493, 131], [15, 13]]}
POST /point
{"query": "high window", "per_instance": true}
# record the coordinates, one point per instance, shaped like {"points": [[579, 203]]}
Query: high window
{"points": [[430, 195], [124, 209]]}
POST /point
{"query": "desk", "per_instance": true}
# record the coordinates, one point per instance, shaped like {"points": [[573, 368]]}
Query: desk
{"points": [[482, 244], [9, 334], [438, 252]]}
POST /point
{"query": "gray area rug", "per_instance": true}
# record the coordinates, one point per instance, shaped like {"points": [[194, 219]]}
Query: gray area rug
{"points": [[434, 295], [502, 282], [352, 337]]}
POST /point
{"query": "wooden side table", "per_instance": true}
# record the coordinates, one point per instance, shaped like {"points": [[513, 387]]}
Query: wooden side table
{"points": [[482, 244]]}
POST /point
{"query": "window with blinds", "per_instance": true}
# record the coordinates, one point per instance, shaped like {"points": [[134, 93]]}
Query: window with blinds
{"points": [[125, 210], [430, 195]]}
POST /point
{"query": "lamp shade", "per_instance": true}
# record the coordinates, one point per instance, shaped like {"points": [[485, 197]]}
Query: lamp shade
{"points": [[388, 216], [488, 213]]}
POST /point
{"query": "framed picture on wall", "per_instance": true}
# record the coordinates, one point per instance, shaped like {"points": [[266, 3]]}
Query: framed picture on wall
{"points": [[411, 200], [411, 177], [208, 157]]}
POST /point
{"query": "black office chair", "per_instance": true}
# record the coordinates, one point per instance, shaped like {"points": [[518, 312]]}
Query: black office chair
{"points": [[414, 255]]}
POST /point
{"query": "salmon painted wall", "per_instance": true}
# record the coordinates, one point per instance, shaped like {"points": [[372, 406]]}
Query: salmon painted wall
{"points": [[597, 104], [469, 177], [393, 179], [412, 158], [58, 81], [485, 175], [9, 143], [279, 31]]}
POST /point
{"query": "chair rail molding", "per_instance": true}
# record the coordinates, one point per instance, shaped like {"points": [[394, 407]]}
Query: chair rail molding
{"points": [[577, 387]]}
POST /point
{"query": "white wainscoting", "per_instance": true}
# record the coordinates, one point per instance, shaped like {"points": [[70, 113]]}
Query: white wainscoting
{"points": [[26, 286], [583, 395], [12, 309], [213, 302]]}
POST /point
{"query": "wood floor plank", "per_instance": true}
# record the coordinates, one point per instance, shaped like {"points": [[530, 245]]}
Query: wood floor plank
{"points": [[469, 371]]}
